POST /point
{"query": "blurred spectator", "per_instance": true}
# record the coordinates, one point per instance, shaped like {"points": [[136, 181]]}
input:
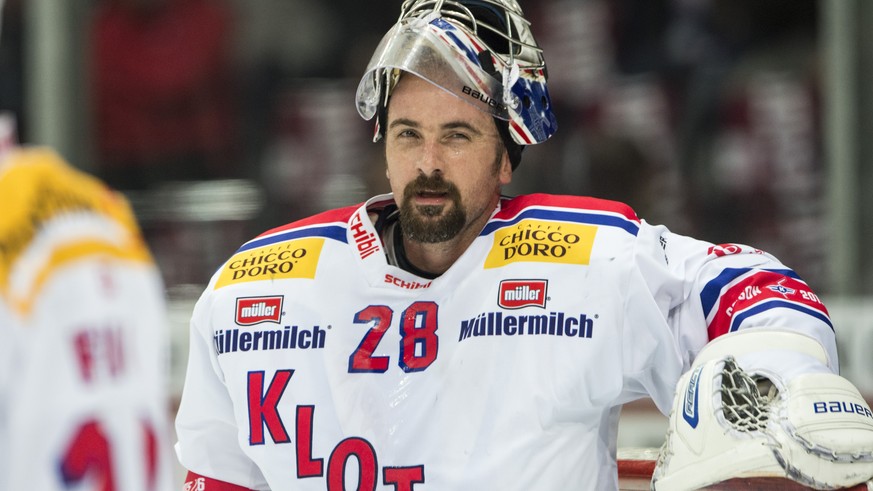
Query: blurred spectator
{"points": [[162, 91], [750, 145], [277, 42], [615, 109]]}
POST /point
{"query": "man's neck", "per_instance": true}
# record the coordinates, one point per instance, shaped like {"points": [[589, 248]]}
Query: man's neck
{"points": [[437, 258], [434, 258]]}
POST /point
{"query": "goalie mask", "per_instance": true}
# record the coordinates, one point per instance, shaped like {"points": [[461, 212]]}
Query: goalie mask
{"points": [[481, 51]]}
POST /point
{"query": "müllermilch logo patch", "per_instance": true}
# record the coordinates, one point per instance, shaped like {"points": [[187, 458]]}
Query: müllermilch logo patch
{"points": [[254, 310], [515, 294]]}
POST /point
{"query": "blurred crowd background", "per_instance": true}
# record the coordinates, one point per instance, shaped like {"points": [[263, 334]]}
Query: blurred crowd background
{"points": [[730, 120]]}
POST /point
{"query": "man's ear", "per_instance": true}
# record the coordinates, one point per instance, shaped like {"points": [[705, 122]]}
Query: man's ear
{"points": [[505, 171]]}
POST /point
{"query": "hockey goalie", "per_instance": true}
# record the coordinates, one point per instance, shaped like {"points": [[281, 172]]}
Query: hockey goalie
{"points": [[446, 336], [765, 403]]}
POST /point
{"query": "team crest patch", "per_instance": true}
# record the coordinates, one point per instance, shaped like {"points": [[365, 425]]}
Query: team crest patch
{"points": [[542, 241], [515, 294], [254, 310]]}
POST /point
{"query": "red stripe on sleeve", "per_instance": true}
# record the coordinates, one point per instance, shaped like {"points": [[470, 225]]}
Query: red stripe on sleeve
{"points": [[330, 216], [758, 288]]}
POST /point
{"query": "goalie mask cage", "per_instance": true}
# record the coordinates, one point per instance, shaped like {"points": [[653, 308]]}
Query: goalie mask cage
{"points": [[635, 467]]}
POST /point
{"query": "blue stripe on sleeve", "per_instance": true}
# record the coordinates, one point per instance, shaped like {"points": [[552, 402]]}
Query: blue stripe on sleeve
{"points": [[712, 291], [334, 232], [566, 216], [777, 304]]}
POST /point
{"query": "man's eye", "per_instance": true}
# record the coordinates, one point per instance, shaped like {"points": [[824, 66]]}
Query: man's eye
{"points": [[407, 134], [459, 136]]}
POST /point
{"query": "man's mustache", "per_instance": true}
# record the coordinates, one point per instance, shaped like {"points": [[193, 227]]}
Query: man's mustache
{"points": [[434, 183]]}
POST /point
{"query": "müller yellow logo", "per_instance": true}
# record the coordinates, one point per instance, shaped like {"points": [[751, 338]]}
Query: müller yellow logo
{"points": [[295, 259], [542, 241]]}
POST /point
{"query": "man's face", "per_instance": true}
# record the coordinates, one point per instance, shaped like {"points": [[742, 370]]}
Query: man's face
{"points": [[446, 161]]}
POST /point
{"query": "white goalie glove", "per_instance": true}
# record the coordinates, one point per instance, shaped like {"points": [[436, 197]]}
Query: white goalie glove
{"points": [[806, 423]]}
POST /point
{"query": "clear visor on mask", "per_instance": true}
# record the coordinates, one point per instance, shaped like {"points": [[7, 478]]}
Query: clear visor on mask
{"points": [[424, 50]]}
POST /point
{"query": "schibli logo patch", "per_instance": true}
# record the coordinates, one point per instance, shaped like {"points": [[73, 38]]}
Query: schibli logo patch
{"points": [[366, 241], [515, 294], [254, 310]]}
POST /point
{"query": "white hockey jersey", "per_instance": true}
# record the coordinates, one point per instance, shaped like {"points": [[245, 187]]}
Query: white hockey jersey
{"points": [[83, 336], [315, 364]]}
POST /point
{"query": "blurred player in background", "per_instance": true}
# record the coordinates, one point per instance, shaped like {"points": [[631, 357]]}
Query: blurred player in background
{"points": [[83, 333], [445, 337]]}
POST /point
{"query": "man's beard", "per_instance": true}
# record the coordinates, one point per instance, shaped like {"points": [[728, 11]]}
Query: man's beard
{"points": [[426, 223]]}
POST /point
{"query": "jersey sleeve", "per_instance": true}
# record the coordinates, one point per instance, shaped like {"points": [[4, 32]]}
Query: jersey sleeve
{"points": [[703, 290], [208, 437]]}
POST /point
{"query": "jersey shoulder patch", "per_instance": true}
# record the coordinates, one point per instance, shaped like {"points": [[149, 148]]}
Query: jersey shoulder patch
{"points": [[289, 251]]}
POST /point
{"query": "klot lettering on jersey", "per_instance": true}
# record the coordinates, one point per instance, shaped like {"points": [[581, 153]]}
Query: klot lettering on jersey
{"points": [[515, 294], [294, 259], [551, 324], [266, 424], [291, 337], [542, 241], [254, 310]]}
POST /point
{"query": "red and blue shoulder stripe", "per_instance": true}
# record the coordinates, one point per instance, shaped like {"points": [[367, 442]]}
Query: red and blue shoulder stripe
{"points": [[577, 209], [739, 294], [330, 224]]}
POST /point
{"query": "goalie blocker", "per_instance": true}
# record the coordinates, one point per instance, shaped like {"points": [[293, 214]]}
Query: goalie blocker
{"points": [[763, 403]]}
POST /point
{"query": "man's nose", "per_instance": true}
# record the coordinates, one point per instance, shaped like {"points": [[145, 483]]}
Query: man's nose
{"points": [[431, 160]]}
